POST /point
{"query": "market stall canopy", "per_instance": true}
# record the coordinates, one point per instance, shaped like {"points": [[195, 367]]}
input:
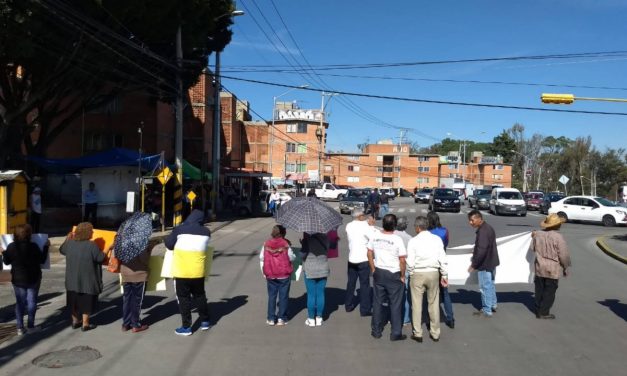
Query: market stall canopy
{"points": [[192, 172], [108, 158]]}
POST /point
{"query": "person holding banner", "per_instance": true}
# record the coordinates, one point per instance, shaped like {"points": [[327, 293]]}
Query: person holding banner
{"points": [[485, 259], [552, 260], [190, 241], [26, 258]]}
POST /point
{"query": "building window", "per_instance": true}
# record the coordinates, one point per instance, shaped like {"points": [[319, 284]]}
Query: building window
{"points": [[422, 180], [497, 177], [100, 141], [423, 159], [379, 180], [302, 167], [423, 169], [328, 168], [396, 180], [297, 128], [353, 168], [112, 106], [290, 167], [452, 166], [397, 157], [353, 179], [453, 175], [379, 169], [397, 169], [498, 167], [302, 149], [379, 158], [353, 157], [386, 180], [290, 147]]}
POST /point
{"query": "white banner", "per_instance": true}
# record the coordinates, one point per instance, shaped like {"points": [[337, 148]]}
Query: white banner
{"points": [[516, 261], [39, 239]]}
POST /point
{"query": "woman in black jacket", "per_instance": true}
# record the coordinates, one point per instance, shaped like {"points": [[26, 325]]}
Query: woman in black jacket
{"points": [[25, 259]]}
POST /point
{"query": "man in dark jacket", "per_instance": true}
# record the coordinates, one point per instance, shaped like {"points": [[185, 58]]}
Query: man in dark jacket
{"points": [[374, 202], [189, 242], [485, 259]]}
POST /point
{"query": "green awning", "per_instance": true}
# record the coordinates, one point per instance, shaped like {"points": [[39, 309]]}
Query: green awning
{"points": [[192, 172]]}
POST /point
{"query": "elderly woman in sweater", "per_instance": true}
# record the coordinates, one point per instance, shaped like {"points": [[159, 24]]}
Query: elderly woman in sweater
{"points": [[315, 248], [83, 274]]}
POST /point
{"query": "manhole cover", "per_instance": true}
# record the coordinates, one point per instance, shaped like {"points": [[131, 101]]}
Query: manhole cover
{"points": [[67, 358], [7, 331]]}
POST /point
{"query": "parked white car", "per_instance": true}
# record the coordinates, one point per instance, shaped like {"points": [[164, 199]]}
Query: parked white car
{"points": [[591, 209]]}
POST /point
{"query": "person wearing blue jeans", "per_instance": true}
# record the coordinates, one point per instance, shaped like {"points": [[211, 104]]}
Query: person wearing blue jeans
{"points": [[315, 300], [485, 259], [280, 288], [26, 258], [436, 228], [314, 251]]}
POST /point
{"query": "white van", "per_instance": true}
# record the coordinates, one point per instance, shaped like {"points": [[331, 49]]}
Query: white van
{"points": [[507, 201]]}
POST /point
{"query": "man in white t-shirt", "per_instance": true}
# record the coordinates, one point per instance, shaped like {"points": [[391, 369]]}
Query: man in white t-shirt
{"points": [[358, 233], [386, 257]]}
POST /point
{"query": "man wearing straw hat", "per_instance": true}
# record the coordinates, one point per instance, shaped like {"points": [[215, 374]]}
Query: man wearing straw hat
{"points": [[552, 260]]}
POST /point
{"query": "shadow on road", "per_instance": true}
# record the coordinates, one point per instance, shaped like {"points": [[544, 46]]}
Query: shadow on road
{"points": [[619, 309], [217, 310], [333, 299], [474, 298], [620, 237], [7, 313]]}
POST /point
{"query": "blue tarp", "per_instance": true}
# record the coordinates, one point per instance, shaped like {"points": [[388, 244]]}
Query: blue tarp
{"points": [[109, 158]]}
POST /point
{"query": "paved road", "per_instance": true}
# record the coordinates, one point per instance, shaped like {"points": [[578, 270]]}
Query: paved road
{"points": [[589, 336]]}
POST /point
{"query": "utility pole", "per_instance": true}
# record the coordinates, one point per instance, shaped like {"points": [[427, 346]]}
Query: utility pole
{"points": [[178, 144], [215, 159]]}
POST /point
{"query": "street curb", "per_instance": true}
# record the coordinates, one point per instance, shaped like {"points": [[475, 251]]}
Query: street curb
{"points": [[609, 251]]}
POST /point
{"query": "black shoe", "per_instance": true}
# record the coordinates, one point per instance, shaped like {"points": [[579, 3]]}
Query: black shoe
{"points": [[88, 327], [401, 337], [375, 335], [550, 316], [493, 309], [416, 338], [367, 314], [349, 308], [76, 325], [434, 339]]}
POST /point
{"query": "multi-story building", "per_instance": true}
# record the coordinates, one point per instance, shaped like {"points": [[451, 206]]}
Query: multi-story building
{"points": [[386, 164]]}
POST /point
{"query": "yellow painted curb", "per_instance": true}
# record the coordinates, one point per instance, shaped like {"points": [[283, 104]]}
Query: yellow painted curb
{"points": [[609, 251]]}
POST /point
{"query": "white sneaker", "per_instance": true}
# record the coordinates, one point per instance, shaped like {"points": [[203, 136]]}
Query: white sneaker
{"points": [[318, 321], [21, 331], [270, 322], [310, 322], [281, 322]]}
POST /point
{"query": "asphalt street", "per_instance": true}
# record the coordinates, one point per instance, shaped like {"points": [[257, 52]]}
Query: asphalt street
{"points": [[589, 336]]}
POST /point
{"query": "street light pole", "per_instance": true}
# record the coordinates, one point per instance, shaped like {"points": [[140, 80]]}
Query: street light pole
{"points": [[217, 125], [178, 143]]}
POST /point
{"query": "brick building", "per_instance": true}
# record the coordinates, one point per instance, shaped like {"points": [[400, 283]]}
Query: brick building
{"points": [[386, 164]]}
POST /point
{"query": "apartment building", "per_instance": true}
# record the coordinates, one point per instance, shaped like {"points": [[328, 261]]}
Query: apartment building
{"points": [[386, 164]]}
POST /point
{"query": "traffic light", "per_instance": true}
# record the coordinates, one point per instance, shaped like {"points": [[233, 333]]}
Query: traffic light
{"points": [[558, 98]]}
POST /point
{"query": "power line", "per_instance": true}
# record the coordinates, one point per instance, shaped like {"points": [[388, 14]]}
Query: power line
{"points": [[417, 100]]}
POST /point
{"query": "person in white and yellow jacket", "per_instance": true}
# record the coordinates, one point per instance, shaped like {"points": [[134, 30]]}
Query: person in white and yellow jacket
{"points": [[190, 241]]}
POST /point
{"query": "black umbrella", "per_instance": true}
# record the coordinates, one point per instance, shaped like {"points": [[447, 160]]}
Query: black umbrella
{"points": [[133, 236], [308, 214]]}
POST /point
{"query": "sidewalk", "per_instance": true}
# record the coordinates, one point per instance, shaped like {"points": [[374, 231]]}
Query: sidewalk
{"points": [[615, 246], [52, 291]]}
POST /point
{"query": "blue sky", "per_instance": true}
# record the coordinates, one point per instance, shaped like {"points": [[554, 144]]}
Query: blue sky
{"points": [[330, 32]]}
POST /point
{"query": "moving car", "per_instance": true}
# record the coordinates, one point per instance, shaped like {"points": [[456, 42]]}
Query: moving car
{"points": [[534, 200], [327, 191], [507, 201], [590, 209], [423, 195], [444, 199], [480, 199], [354, 199], [548, 199]]}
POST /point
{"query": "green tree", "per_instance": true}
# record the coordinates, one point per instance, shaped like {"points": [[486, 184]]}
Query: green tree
{"points": [[502, 145], [59, 58]]}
